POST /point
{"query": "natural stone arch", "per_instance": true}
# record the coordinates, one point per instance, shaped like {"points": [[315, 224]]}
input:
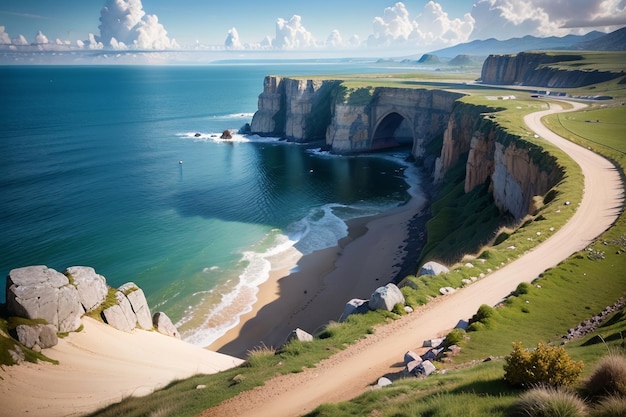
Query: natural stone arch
{"points": [[393, 130]]}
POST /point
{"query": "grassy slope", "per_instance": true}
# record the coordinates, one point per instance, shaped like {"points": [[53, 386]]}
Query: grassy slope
{"points": [[444, 393], [561, 298]]}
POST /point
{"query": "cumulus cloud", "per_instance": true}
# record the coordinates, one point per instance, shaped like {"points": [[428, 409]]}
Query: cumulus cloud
{"points": [[432, 27], [124, 24], [334, 39], [40, 38], [20, 41], [232, 40], [504, 19], [5, 39], [291, 34]]}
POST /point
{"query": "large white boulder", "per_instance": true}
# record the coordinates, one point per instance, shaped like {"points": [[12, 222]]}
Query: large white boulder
{"points": [[385, 298], [92, 288], [39, 292], [139, 304], [433, 268], [41, 335], [121, 315], [163, 324]]}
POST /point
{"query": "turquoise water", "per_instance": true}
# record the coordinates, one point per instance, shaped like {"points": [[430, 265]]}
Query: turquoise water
{"points": [[91, 174]]}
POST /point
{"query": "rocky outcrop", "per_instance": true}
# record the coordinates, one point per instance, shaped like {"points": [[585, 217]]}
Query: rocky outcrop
{"points": [[39, 292], [535, 69], [120, 315], [164, 325], [38, 336], [92, 287], [294, 109], [349, 121], [138, 303]]}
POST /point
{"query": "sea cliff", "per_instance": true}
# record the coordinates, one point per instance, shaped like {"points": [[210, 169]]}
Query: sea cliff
{"points": [[538, 69], [441, 129]]}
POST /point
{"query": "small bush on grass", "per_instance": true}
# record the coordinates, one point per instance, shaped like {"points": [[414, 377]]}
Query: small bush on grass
{"points": [[482, 318], [550, 402], [609, 376], [545, 365], [610, 406], [455, 337], [260, 356]]}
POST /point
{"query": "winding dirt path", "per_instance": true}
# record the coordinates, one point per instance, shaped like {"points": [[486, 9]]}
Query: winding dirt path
{"points": [[351, 372]]}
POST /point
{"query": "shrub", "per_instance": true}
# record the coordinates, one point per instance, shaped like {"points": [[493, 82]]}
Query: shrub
{"points": [[609, 376], [610, 406], [549, 402], [260, 356], [545, 365], [482, 318], [455, 337], [522, 288]]}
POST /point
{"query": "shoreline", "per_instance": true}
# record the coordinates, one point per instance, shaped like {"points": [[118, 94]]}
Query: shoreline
{"points": [[315, 290]]}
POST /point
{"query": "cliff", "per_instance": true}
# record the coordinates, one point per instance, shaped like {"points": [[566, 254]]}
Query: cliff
{"points": [[538, 69], [441, 130]]}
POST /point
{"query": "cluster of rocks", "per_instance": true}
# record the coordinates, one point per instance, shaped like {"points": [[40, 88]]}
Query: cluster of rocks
{"points": [[40, 293], [594, 322]]}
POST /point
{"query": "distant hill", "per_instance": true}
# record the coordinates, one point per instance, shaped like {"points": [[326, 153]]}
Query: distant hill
{"points": [[429, 59], [515, 45], [614, 41]]}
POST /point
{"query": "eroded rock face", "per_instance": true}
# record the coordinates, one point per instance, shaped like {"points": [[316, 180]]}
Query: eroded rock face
{"points": [[163, 324], [42, 335], [92, 288], [121, 315], [139, 304], [39, 292], [385, 298]]}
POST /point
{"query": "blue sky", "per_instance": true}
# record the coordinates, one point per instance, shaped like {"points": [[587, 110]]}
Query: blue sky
{"points": [[410, 26]]}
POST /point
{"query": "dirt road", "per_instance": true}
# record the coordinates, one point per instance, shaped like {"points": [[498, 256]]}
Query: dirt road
{"points": [[350, 372]]}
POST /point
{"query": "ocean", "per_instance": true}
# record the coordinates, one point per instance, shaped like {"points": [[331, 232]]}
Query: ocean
{"points": [[121, 168]]}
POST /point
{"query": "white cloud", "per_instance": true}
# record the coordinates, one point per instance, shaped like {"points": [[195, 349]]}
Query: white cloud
{"points": [[292, 35], [40, 38], [503, 19], [334, 39], [232, 40], [5, 39], [20, 41], [432, 27], [124, 24]]}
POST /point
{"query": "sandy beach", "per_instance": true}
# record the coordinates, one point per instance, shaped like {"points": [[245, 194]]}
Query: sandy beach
{"points": [[99, 366], [318, 288]]}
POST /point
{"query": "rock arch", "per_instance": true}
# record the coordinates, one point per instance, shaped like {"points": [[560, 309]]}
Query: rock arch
{"points": [[392, 130]]}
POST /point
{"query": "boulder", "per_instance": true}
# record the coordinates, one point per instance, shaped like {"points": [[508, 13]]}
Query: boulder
{"points": [[164, 325], [413, 366], [411, 356], [39, 292], [92, 288], [120, 315], [41, 335], [433, 343], [226, 135], [299, 334], [426, 368], [433, 268], [139, 304], [383, 382], [385, 298], [432, 354], [354, 306]]}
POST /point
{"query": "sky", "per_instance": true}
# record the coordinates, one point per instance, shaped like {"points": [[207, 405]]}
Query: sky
{"points": [[375, 26]]}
